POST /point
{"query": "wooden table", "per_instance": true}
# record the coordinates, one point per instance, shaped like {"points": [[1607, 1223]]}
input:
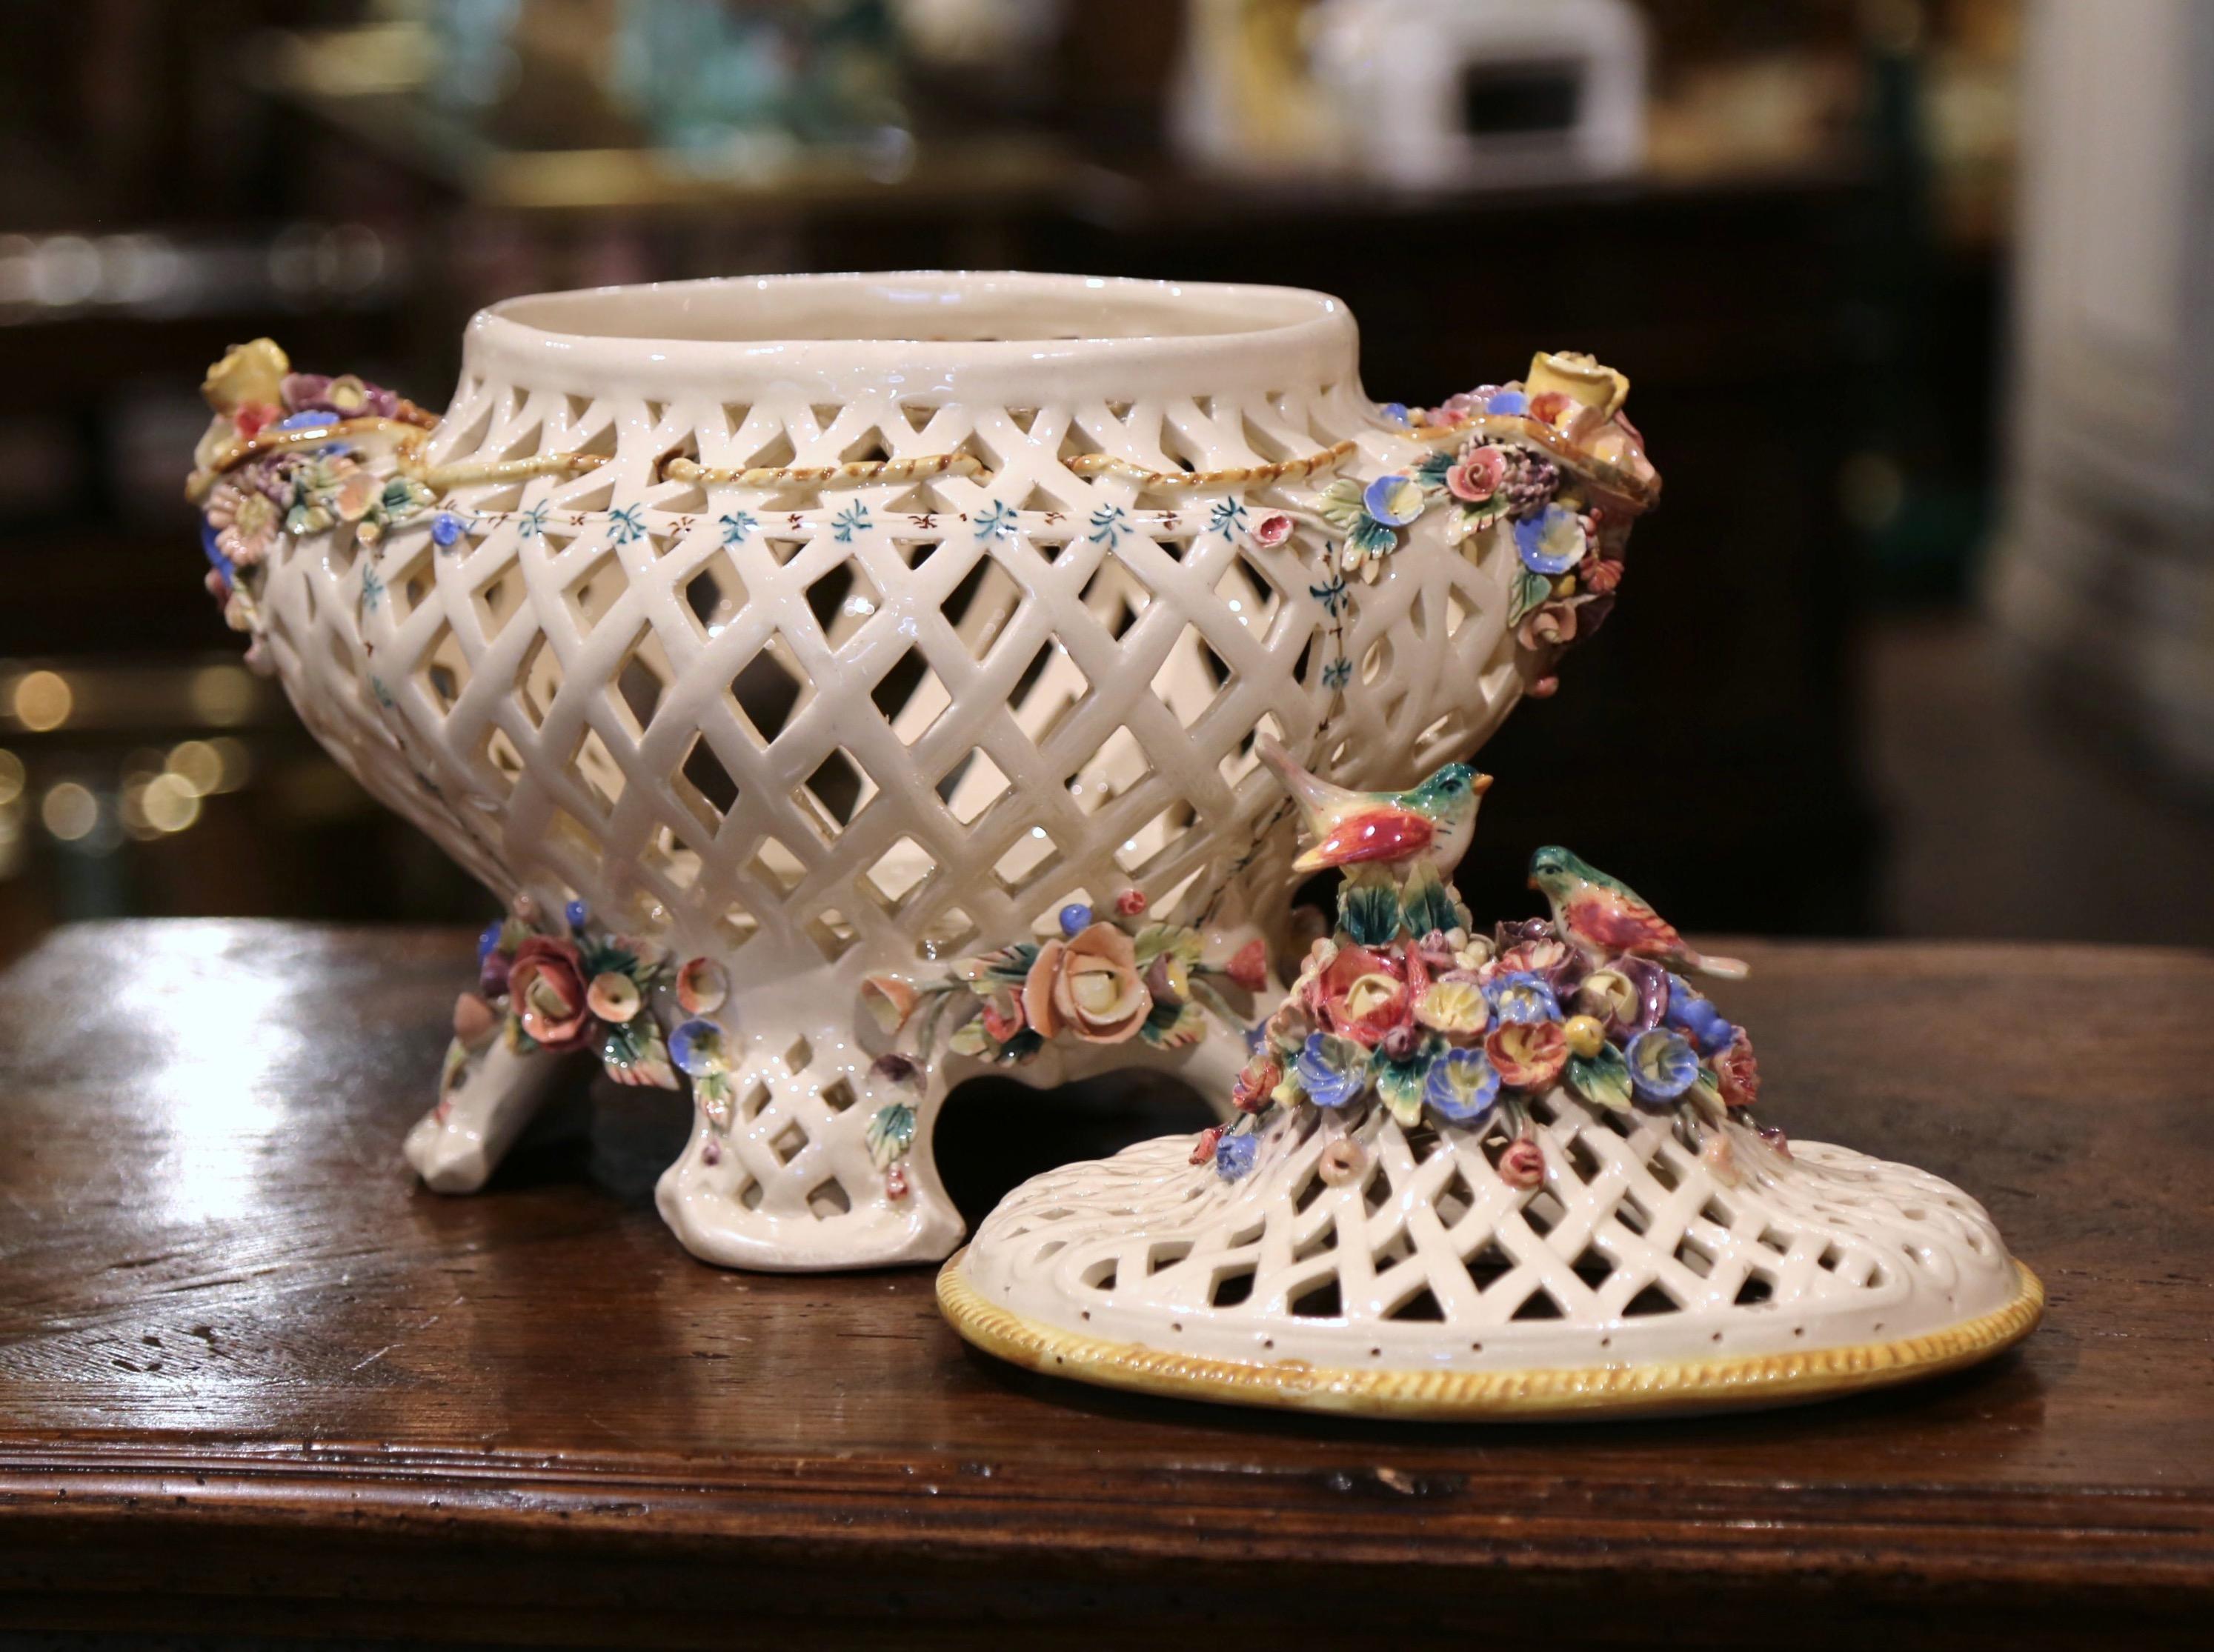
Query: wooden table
{"points": [[253, 1378]]}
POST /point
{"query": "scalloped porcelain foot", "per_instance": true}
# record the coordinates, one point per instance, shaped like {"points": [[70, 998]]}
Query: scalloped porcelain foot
{"points": [[793, 1183]]}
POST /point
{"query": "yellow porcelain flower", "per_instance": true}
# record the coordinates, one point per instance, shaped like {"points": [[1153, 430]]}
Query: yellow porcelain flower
{"points": [[247, 374], [1580, 378], [1455, 1008]]}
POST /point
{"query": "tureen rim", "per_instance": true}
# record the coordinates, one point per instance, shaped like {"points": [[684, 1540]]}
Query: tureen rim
{"points": [[1263, 337]]}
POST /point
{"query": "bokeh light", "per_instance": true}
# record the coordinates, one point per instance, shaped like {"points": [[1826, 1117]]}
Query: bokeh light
{"points": [[222, 695], [170, 804], [197, 764], [70, 811], [43, 700]]}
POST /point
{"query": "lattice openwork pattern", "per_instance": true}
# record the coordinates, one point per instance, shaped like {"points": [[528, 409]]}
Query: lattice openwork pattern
{"points": [[1632, 1252], [825, 730]]}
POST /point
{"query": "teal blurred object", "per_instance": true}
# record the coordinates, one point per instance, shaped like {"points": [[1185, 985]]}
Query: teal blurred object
{"points": [[733, 88]]}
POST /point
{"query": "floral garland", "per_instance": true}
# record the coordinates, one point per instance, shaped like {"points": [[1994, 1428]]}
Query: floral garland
{"points": [[298, 489], [1101, 980], [1402, 1007], [1494, 474], [575, 986]]}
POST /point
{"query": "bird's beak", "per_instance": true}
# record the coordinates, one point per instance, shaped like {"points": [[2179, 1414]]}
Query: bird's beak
{"points": [[1481, 784], [1534, 884]]}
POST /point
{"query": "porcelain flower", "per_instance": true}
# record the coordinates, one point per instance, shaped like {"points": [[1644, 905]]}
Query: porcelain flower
{"points": [[1359, 995], [346, 395], [545, 988], [245, 523], [1737, 1073], [1257, 1083], [1333, 1070], [1234, 1157], [1089, 986], [1462, 1086], [1518, 996], [1551, 541], [1552, 625], [1288, 1028], [1529, 1054], [1455, 1008], [1523, 1164], [890, 999], [1476, 478], [1661, 1064], [1003, 1015], [249, 373]]}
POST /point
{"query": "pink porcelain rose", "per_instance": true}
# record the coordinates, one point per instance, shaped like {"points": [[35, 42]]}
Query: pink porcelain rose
{"points": [[546, 986], [1361, 996], [1089, 986]]}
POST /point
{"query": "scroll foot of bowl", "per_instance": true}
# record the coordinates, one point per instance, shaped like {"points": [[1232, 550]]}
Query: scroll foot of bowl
{"points": [[456, 1145]]}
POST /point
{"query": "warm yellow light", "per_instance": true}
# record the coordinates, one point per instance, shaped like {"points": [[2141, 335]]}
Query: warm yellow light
{"points": [[170, 803], [222, 695], [43, 700], [237, 762], [70, 811], [131, 809], [11, 777], [198, 764]]}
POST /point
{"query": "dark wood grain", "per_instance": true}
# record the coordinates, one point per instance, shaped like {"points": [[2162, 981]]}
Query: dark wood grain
{"points": [[252, 1377]]}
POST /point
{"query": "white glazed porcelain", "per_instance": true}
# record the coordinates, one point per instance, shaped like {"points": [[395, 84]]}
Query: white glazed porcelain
{"points": [[1633, 1279], [1007, 649]]}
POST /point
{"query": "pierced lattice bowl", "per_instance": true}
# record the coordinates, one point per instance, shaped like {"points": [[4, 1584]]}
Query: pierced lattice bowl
{"points": [[805, 631]]}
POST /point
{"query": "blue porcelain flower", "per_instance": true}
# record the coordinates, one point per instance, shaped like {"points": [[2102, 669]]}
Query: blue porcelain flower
{"points": [[221, 563], [1234, 1157], [446, 528], [1661, 1064], [1394, 410], [1518, 997], [490, 938], [1394, 500], [1693, 1014], [1333, 1070], [696, 1046], [1075, 919], [313, 419], [1462, 1088], [1508, 401], [1551, 542], [577, 912]]}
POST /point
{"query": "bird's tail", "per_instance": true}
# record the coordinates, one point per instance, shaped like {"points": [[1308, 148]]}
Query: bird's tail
{"points": [[1727, 969], [1311, 792]]}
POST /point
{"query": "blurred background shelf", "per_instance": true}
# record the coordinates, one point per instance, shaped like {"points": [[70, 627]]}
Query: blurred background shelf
{"points": [[1799, 721]]}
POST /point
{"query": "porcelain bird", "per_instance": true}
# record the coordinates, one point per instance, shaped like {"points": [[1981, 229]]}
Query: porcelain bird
{"points": [[1434, 821], [1603, 917]]}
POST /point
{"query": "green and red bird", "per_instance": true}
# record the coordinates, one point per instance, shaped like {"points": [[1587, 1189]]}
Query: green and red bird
{"points": [[1603, 917], [1435, 821]]}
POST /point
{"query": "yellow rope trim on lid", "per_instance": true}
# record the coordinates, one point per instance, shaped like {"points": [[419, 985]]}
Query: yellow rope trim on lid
{"points": [[1682, 1385]]}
